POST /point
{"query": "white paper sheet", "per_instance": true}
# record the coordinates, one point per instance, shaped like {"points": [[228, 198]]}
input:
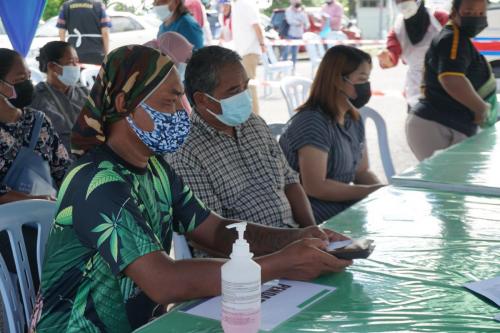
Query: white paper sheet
{"points": [[488, 288], [281, 300]]}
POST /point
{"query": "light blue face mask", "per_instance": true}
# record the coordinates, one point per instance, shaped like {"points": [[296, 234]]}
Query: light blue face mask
{"points": [[235, 109], [163, 12], [181, 69], [70, 75], [169, 132]]}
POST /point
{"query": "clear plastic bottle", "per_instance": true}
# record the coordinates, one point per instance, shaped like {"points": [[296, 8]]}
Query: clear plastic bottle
{"points": [[241, 288]]}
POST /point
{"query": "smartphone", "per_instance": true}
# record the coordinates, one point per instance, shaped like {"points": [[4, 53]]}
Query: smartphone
{"points": [[352, 249]]}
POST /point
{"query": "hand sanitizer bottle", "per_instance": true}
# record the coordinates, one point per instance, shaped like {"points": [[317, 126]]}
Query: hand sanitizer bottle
{"points": [[241, 288]]}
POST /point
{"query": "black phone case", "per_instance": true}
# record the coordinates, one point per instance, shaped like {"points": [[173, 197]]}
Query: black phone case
{"points": [[353, 254]]}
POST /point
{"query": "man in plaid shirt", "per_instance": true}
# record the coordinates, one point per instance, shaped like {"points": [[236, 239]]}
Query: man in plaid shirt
{"points": [[237, 170]]}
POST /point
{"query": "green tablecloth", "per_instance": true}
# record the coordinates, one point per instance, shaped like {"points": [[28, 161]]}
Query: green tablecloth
{"points": [[472, 166], [428, 245]]}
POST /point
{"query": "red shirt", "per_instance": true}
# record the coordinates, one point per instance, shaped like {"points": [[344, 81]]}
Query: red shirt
{"points": [[393, 44]]}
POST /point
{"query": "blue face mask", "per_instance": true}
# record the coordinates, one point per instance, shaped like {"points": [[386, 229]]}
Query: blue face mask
{"points": [[169, 132], [163, 12], [235, 109]]}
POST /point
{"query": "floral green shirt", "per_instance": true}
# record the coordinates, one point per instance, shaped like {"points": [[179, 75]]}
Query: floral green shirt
{"points": [[109, 214]]}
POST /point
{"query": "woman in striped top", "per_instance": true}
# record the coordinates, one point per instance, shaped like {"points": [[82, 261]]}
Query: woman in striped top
{"points": [[325, 140]]}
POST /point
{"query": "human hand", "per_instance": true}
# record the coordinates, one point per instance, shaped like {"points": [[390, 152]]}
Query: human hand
{"points": [[324, 234], [481, 116], [306, 259], [384, 59]]}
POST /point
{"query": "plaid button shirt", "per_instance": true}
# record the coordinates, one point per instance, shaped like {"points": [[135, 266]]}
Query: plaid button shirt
{"points": [[240, 178]]}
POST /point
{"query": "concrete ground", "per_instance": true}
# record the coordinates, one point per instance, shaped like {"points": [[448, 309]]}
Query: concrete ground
{"points": [[391, 105]]}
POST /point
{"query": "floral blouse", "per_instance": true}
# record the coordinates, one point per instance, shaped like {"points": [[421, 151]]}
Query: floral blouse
{"points": [[15, 135]]}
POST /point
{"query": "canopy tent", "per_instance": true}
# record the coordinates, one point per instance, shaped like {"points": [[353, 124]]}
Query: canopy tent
{"points": [[20, 19]]}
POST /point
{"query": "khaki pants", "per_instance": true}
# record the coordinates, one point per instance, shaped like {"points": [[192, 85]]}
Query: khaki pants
{"points": [[425, 136], [250, 63]]}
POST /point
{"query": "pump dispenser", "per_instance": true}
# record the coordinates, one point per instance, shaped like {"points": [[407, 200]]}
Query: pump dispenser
{"points": [[241, 288]]}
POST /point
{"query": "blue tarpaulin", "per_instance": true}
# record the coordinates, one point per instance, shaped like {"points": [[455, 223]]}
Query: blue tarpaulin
{"points": [[20, 19]]}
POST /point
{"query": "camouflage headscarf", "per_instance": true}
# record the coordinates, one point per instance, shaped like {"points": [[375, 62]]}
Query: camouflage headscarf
{"points": [[135, 70]]}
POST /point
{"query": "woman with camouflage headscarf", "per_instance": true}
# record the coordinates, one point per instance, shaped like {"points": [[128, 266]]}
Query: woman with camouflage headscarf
{"points": [[118, 203], [106, 260]]}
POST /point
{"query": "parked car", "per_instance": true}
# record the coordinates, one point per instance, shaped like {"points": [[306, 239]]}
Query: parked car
{"points": [[126, 29], [314, 14]]}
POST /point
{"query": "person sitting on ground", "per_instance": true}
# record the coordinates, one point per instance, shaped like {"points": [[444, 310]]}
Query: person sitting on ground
{"points": [[61, 97], [325, 140], [29, 145], [180, 50], [459, 88], [231, 160], [106, 263]]}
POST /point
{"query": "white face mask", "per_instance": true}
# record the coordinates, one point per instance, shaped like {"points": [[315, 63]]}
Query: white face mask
{"points": [[407, 8], [181, 69], [163, 12], [70, 75]]}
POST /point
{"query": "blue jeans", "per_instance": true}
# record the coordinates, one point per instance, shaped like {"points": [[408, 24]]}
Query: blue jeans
{"points": [[294, 48]]}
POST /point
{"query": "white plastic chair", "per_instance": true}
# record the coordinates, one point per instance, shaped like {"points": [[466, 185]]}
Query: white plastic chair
{"points": [[277, 129], [13, 216], [36, 76], [181, 247], [274, 69], [315, 50], [295, 89], [333, 36], [88, 76], [383, 142]]}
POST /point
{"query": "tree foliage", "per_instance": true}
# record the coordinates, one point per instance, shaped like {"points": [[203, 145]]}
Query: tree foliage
{"points": [[52, 8]]}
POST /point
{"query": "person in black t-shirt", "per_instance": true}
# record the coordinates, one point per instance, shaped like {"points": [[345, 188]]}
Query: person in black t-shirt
{"points": [[88, 26], [456, 84]]}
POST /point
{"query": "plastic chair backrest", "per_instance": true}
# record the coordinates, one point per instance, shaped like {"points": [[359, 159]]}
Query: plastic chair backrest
{"points": [[295, 89], [181, 247], [313, 49], [277, 129], [335, 35], [37, 76], [88, 76], [13, 216], [383, 142], [271, 56], [10, 299]]}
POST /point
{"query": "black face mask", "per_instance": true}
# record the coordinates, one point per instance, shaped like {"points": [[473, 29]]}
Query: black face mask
{"points": [[363, 93], [471, 26], [417, 25], [298, 5], [24, 92]]}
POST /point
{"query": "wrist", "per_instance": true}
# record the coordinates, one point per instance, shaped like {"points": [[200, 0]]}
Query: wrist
{"points": [[272, 266]]}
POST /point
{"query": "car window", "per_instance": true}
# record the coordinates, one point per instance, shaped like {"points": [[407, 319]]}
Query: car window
{"points": [[123, 23]]}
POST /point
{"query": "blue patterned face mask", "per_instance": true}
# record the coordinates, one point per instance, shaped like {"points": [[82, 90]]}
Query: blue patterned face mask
{"points": [[169, 132]]}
